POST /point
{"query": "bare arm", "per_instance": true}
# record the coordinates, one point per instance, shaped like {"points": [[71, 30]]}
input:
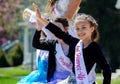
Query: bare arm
{"points": [[72, 8]]}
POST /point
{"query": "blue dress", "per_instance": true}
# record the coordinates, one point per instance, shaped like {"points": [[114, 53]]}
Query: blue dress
{"points": [[38, 76]]}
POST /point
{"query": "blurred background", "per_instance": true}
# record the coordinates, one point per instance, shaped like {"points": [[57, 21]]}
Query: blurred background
{"points": [[16, 51]]}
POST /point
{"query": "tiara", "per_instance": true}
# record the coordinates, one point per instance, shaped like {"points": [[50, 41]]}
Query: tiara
{"points": [[86, 17]]}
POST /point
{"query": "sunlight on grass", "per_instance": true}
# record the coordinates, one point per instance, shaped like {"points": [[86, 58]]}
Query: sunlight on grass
{"points": [[8, 80], [113, 81], [14, 71], [12, 75]]}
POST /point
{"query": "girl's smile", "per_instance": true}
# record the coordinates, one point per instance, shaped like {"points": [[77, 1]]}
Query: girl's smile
{"points": [[84, 29]]}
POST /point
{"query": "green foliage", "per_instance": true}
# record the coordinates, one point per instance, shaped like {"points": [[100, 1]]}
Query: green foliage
{"points": [[10, 15], [3, 61], [28, 4], [15, 55]]}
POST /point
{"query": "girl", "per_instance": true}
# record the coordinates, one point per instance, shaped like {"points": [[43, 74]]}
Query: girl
{"points": [[55, 67], [84, 63], [30, 17], [59, 65], [39, 75]]}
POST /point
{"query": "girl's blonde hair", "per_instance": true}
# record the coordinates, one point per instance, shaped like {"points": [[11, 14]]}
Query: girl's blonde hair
{"points": [[93, 23]]}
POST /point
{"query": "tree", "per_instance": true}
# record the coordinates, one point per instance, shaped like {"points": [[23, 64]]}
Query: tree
{"points": [[11, 14], [8, 19]]}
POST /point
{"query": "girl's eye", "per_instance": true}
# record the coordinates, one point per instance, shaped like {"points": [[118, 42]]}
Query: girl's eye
{"points": [[83, 28], [77, 29]]}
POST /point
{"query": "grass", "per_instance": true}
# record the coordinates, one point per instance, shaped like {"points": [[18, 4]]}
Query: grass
{"points": [[12, 75], [8, 80], [114, 81]]}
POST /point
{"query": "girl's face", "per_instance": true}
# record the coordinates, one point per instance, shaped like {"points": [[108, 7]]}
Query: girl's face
{"points": [[84, 29]]}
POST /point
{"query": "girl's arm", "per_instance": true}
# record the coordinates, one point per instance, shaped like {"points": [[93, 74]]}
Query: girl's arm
{"points": [[36, 41], [68, 39], [44, 45], [104, 65], [72, 8], [39, 18], [54, 29]]}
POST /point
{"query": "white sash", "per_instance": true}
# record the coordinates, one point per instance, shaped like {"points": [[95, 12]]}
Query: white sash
{"points": [[80, 69], [62, 59], [92, 75], [44, 54]]}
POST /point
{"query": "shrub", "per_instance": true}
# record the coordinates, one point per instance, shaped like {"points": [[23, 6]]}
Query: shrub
{"points": [[15, 55], [3, 61]]}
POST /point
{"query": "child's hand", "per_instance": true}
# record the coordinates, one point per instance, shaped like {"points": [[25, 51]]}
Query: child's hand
{"points": [[40, 19], [38, 15], [37, 10]]}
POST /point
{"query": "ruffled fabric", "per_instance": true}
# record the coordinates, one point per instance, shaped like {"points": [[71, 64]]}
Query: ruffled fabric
{"points": [[38, 76]]}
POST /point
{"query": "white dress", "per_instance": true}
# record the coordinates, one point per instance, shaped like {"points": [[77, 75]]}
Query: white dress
{"points": [[60, 8]]}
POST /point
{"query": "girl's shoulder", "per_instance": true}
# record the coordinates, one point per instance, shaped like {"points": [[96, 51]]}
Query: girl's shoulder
{"points": [[94, 45], [94, 48]]}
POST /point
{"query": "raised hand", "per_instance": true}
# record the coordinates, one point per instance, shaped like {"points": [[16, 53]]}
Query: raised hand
{"points": [[38, 16], [37, 10], [40, 19]]}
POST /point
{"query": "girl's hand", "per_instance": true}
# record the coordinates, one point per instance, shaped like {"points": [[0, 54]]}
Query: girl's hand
{"points": [[37, 10], [40, 19], [38, 16]]}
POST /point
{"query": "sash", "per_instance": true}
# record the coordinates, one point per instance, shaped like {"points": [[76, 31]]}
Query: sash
{"points": [[80, 69], [62, 59], [92, 75], [43, 54]]}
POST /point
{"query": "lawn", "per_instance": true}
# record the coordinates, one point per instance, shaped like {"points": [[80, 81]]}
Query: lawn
{"points": [[114, 81], [12, 75]]}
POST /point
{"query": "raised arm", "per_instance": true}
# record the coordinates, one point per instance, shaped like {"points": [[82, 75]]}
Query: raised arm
{"points": [[55, 29], [72, 9], [40, 19], [65, 8], [68, 39]]}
